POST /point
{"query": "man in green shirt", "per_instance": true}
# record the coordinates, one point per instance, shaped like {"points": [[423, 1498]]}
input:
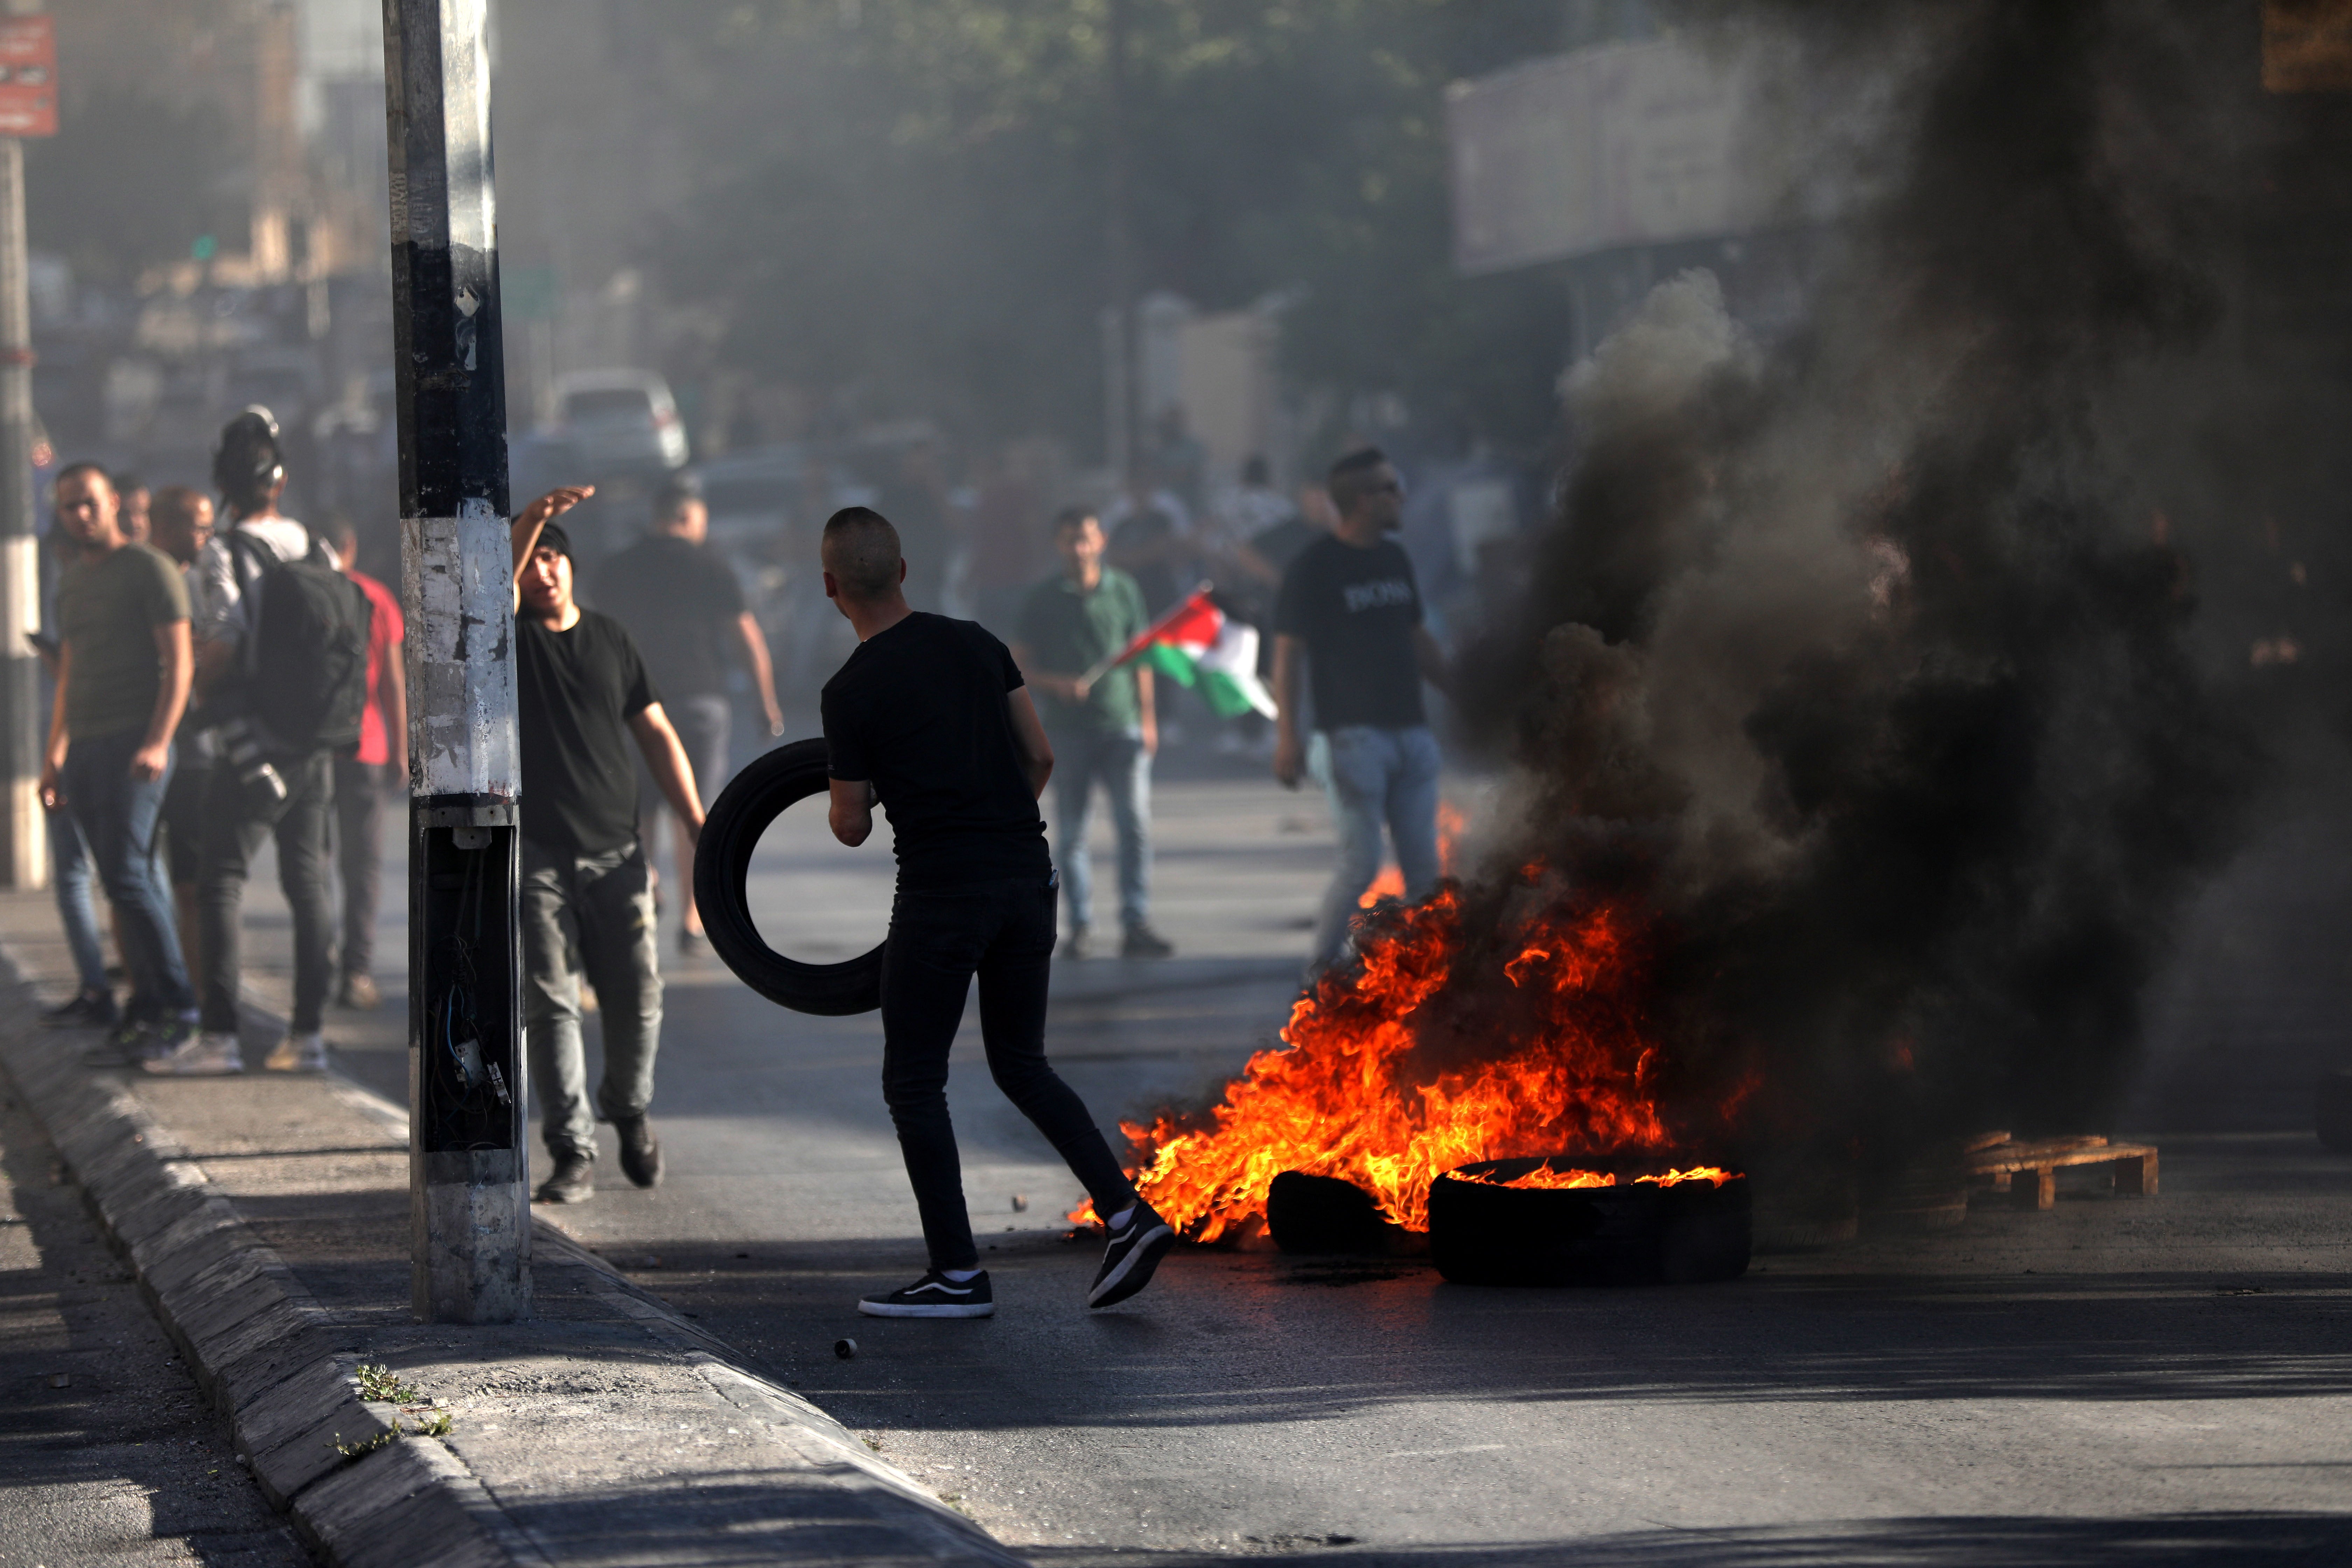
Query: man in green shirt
{"points": [[124, 668], [1104, 731]]}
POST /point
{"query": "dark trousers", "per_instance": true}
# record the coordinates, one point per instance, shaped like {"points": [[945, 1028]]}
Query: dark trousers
{"points": [[940, 937], [234, 829], [116, 814], [359, 857], [184, 823]]}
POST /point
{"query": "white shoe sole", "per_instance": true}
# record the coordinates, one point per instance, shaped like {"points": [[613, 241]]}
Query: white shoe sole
{"points": [[890, 1309], [1153, 1245]]}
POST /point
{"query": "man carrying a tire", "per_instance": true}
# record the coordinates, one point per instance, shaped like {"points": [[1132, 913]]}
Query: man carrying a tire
{"points": [[582, 702], [930, 718]]}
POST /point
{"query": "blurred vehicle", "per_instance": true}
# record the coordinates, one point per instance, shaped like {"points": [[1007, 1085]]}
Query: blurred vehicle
{"points": [[752, 497], [768, 508], [620, 420]]}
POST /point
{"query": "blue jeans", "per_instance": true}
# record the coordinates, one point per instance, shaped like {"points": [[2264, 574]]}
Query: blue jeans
{"points": [[71, 870], [117, 813], [1118, 760], [1375, 776]]}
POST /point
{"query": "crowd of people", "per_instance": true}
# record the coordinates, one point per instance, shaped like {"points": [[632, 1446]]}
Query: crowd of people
{"points": [[1349, 654], [220, 679], [181, 734]]}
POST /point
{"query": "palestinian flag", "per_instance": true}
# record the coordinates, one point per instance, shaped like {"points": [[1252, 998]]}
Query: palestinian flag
{"points": [[1197, 645]]}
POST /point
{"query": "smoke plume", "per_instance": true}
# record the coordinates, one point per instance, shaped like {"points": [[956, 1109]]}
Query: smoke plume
{"points": [[1859, 660]]}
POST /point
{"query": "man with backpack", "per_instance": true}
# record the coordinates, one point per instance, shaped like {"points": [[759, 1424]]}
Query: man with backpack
{"points": [[282, 674]]}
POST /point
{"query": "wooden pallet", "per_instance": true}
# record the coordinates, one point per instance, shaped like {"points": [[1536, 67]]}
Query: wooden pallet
{"points": [[2039, 1161]]}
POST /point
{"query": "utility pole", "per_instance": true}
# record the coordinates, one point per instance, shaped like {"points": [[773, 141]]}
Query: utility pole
{"points": [[29, 50], [1124, 349], [468, 1171]]}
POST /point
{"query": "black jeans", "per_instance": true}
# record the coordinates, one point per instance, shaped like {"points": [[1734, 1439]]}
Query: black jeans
{"points": [[234, 829], [940, 937]]}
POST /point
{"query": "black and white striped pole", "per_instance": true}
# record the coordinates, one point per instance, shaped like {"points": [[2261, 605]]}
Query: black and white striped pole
{"points": [[468, 1169]]}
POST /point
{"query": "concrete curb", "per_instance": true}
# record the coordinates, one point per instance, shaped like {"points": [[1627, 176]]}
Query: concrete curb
{"points": [[282, 1369]]}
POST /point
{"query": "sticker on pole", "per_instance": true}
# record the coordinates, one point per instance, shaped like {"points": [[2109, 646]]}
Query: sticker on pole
{"points": [[28, 76]]}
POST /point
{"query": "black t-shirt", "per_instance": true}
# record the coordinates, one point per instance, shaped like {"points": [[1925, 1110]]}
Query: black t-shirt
{"points": [[575, 692], [920, 710], [1356, 609], [681, 603]]}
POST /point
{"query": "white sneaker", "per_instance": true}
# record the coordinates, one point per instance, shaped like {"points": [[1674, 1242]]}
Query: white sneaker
{"points": [[202, 1056], [299, 1053]]}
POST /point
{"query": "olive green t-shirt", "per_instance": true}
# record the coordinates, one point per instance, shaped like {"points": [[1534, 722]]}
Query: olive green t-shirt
{"points": [[107, 611], [1068, 631]]}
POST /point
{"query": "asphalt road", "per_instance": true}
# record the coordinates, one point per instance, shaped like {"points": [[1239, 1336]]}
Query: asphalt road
{"points": [[109, 1455], [2166, 1381]]}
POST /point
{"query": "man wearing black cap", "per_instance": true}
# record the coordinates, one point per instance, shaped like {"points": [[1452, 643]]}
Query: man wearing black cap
{"points": [[586, 704], [680, 600]]}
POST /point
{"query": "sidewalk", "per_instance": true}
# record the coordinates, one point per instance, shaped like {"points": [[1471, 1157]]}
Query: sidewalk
{"points": [[266, 1217], [108, 1454]]}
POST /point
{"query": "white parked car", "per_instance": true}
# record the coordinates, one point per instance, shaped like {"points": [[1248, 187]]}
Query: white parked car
{"points": [[617, 420]]}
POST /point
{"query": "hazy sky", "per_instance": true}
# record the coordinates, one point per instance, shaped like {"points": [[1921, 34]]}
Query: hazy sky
{"points": [[342, 37]]}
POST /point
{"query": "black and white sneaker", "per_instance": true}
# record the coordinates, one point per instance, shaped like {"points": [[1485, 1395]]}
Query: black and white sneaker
{"points": [[1135, 1250], [934, 1296]]}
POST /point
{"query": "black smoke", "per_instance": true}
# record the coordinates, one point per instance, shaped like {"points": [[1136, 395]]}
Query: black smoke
{"points": [[1863, 662]]}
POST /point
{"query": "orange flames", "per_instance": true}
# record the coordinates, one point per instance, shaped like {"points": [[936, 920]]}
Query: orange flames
{"points": [[1544, 1176], [1389, 883], [1386, 1078]]}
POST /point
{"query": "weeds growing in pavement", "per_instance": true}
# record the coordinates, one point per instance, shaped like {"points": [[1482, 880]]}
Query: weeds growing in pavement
{"points": [[383, 1384]]}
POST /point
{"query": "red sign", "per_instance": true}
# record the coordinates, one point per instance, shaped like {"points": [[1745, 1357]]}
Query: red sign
{"points": [[28, 76]]}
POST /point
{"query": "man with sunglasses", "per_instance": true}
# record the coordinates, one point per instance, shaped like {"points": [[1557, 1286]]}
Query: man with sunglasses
{"points": [[1349, 614]]}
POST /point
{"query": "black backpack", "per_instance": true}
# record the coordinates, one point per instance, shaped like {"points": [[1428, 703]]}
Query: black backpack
{"points": [[306, 648]]}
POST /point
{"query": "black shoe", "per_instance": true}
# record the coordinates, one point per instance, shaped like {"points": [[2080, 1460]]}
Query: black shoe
{"points": [[1142, 942], [690, 943], [129, 1042], [1133, 1253], [574, 1181], [1073, 945], [90, 1010], [934, 1296], [132, 1040], [641, 1159]]}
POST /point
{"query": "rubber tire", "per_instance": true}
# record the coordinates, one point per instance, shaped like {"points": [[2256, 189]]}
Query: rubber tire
{"points": [[754, 798], [1631, 1233], [2332, 1103]]}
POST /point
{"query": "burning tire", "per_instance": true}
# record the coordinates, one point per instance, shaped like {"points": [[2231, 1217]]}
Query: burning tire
{"points": [[1630, 1232], [1323, 1216], [753, 799]]}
